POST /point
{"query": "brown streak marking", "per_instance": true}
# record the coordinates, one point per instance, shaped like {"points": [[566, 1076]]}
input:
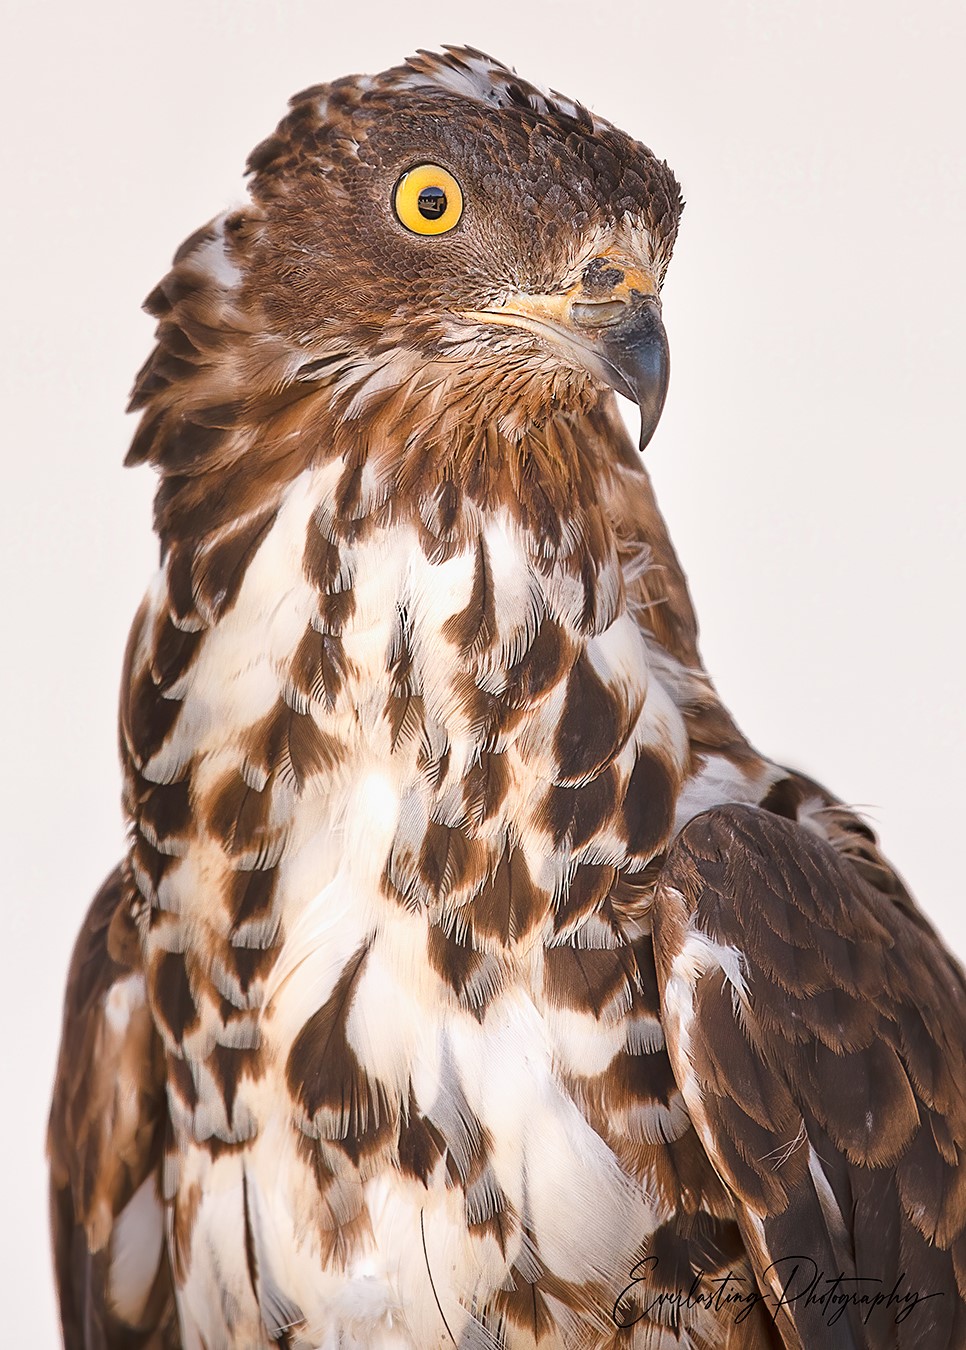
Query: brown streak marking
{"points": [[647, 992], [460, 966], [181, 598], [185, 1212], [489, 714], [145, 436], [783, 798], [252, 964], [589, 577], [525, 1305], [323, 1071], [648, 809], [420, 1143], [171, 994], [405, 710], [401, 661], [485, 786], [449, 859], [540, 667], [338, 1238], [366, 1141], [250, 895], [182, 1080], [348, 491], [473, 630], [495, 1226], [151, 863], [322, 561], [217, 573], [148, 718], [443, 531], [678, 1170], [542, 519], [166, 810], [336, 608], [694, 1242], [239, 815], [251, 1261], [406, 715], [223, 1148], [641, 1078], [228, 1064], [320, 667], [576, 814], [586, 980], [594, 723], [585, 893], [285, 738], [433, 769], [324, 1023], [173, 652], [509, 905], [224, 415], [187, 509]]}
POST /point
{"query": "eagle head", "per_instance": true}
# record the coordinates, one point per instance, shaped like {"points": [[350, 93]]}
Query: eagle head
{"points": [[449, 209], [440, 253]]}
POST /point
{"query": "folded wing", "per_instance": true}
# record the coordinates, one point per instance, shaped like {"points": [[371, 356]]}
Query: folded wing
{"points": [[817, 1031], [106, 1145]]}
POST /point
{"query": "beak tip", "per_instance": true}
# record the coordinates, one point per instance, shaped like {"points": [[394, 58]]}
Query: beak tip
{"points": [[648, 428], [637, 350]]}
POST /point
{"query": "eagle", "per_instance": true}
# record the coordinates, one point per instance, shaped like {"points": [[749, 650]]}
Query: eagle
{"points": [[470, 980]]}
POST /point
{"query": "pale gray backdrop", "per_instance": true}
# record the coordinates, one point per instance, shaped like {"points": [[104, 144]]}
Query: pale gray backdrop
{"points": [[810, 460]]}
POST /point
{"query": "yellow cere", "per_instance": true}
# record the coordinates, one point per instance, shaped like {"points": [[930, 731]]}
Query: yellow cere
{"points": [[428, 200]]}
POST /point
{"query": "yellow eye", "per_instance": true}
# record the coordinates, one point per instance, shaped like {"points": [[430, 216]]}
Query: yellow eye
{"points": [[428, 200]]}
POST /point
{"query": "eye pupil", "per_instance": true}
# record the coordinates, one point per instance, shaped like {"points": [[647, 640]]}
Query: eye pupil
{"points": [[432, 203]]}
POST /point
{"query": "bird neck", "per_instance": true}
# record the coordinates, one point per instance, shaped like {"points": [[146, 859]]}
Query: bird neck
{"points": [[571, 484]]}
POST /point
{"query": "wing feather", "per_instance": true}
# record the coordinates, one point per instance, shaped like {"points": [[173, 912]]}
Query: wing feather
{"points": [[106, 1144], [817, 1030]]}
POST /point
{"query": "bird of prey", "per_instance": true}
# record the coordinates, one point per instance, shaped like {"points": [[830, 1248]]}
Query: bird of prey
{"points": [[470, 979]]}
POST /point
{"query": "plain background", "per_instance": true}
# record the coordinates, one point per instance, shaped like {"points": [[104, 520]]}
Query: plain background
{"points": [[810, 460]]}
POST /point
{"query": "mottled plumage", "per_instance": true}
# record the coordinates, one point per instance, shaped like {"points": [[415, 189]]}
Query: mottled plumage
{"points": [[470, 980]]}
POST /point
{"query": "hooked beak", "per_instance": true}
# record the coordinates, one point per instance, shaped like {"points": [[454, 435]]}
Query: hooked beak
{"points": [[610, 323]]}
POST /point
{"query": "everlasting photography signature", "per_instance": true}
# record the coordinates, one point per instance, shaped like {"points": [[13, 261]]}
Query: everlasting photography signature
{"points": [[797, 1282]]}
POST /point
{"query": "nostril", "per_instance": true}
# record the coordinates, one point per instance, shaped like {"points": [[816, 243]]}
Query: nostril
{"points": [[597, 313], [600, 274]]}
